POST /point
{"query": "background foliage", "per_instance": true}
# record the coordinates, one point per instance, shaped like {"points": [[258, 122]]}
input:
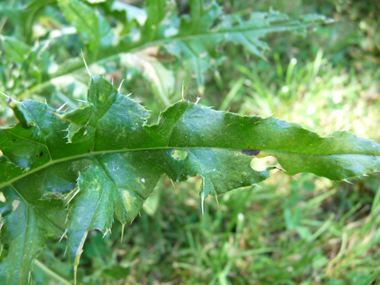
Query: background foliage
{"points": [[306, 230]]}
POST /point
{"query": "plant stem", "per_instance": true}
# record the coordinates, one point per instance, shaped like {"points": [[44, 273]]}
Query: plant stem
{"points": [[51, 273], [4, 18], [110, 54]]}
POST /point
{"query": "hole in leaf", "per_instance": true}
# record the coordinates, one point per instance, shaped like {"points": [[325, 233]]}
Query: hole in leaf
{"points": [[2, 197], [15, 204], [261, 163], [179, 154]]}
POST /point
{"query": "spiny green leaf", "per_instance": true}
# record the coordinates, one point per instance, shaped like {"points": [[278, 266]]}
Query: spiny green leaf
{"points": [[199, 37], [103, 161], [195, 38]]}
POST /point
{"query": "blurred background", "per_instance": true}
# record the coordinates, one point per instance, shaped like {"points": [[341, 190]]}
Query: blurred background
{"points": [[289, 230]]}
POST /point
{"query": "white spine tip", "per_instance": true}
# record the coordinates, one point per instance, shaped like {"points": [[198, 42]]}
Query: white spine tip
{"points": [[64, 233], [107, 230], [121, 83], [84, 60], [345, 180], [60, 108]]}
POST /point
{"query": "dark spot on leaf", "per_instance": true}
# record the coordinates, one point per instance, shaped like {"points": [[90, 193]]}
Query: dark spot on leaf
{"points": [[12, 140], [41, 153], [250, 152], [25, 125], [7, 174], [88, 151]]}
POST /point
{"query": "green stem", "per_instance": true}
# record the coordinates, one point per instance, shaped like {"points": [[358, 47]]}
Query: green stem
{"points": [[51, 273], [113, 53], [4, 18]]}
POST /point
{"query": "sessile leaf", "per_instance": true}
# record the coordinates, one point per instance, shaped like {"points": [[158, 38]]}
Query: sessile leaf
{"points": [[63, 174]]}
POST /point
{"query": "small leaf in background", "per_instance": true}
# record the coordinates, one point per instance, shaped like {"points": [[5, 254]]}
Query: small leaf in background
{"points": [[105, 32], [89, 22], [156, 11], [199, 38], [132, 12], [83, 18], [161, 79], [15, 50]]}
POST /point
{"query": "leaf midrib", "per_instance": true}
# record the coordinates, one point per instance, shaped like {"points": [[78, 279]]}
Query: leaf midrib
{"points": [[95, 153]]}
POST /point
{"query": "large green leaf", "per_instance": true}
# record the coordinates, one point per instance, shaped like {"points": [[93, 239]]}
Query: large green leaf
{"points": [[103, 161]]}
